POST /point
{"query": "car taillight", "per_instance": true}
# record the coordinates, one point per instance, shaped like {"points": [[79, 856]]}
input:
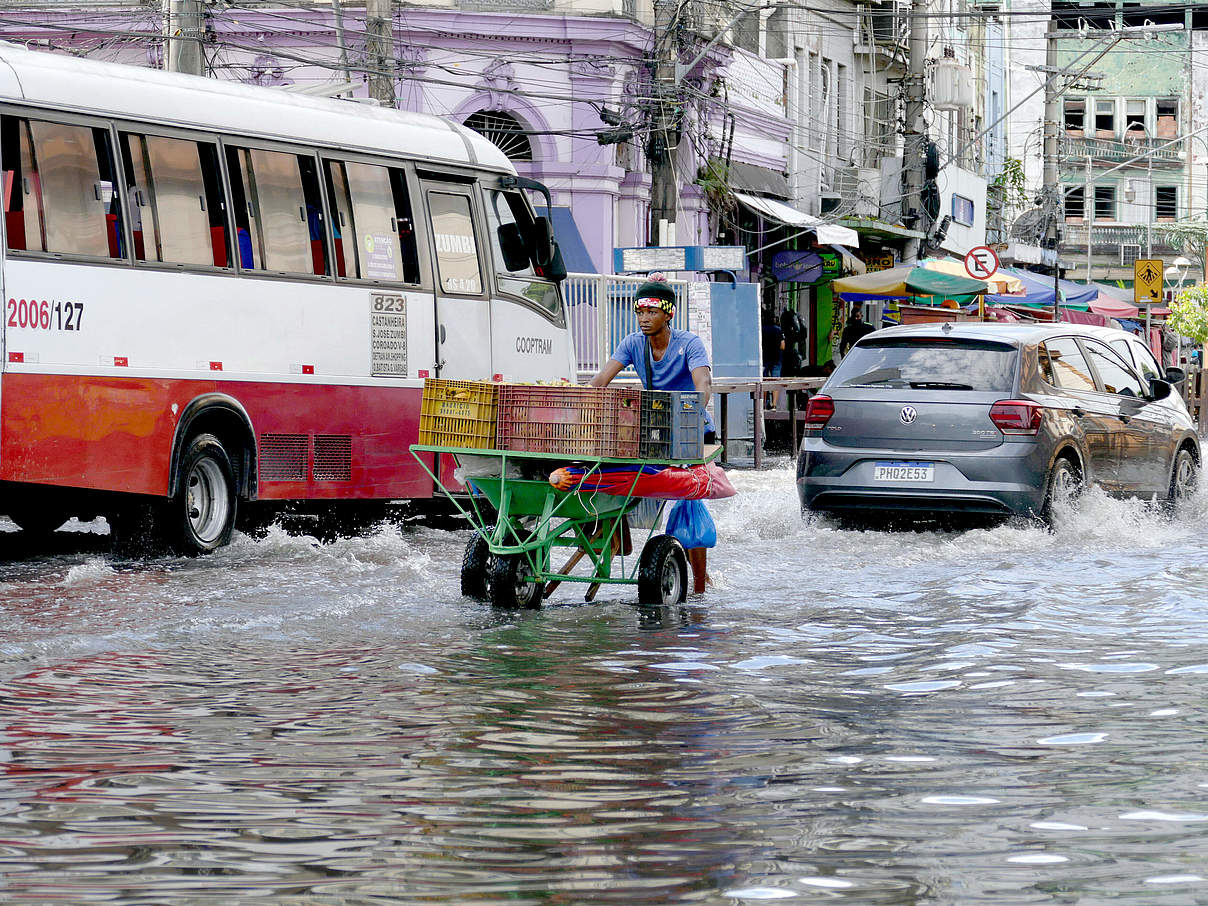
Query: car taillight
{"points": [[818, 411], [1017, 416]]}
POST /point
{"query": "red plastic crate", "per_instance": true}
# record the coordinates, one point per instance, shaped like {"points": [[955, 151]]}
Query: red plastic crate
{"points": [[569, 421]]}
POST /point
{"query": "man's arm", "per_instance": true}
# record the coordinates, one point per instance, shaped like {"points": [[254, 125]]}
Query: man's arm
{"points": [[604, 376], [702, 380]]}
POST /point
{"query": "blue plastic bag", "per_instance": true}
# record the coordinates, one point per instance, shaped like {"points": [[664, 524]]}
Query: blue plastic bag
{"points": [[690, 523]]}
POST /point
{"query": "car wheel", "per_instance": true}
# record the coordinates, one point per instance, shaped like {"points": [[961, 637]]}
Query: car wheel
{"points": [[1064, 484], [1185, 478]]}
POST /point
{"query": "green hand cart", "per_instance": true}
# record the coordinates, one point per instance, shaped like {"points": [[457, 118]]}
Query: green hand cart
{"points": [[509, 560]]}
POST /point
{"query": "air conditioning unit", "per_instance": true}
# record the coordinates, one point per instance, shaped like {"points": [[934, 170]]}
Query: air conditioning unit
{"points": [[846, 182]]}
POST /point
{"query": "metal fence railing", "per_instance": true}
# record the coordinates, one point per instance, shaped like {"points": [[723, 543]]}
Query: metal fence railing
{"points": [[601, 313]]}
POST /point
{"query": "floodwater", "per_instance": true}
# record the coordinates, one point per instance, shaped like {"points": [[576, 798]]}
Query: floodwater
{"points": [[1001, 716]]}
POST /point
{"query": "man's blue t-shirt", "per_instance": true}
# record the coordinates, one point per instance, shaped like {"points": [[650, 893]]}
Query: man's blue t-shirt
{"points": [[684, 352]]}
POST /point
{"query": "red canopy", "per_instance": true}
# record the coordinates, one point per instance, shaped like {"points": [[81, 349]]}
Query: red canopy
{"points": [[1111, 307]]}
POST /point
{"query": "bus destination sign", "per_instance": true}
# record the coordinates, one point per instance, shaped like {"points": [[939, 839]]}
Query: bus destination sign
{"points": [[388, 325]]}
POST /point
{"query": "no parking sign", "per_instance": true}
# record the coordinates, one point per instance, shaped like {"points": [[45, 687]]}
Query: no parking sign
{"points": [[981, 263]]}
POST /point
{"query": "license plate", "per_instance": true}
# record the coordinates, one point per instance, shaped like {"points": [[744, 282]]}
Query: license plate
{"points": [[903, 471]]}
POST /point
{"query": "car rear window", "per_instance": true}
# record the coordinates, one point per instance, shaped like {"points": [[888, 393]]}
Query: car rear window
{"points": [[929, 363]]}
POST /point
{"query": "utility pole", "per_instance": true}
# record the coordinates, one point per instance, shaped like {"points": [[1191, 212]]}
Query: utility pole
{"points": [[184, 31], [664, 137], [379, 47], [338, 12], [1052, 190], [912, 194]]}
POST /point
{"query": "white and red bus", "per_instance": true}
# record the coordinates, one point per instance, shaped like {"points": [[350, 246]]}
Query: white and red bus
{"points": [[217, 294]]}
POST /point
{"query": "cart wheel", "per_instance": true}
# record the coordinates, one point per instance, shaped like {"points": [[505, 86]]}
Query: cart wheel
{"points": [[662, 572], [510, 582], [474, 567]]}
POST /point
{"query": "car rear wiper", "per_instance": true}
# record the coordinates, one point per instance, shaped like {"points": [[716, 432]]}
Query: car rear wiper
{"points": [[939, 385], [880, 382]]}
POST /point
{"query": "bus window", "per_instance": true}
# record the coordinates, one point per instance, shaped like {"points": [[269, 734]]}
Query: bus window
{"points": [[406, 226], [278, 212], [509, 223], [456, 253], [59, 189], [341, 220], [174, 193], [366, 230]]}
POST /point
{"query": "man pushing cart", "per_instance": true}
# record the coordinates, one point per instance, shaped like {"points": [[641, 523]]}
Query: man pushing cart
{"points": [[665, 359]]}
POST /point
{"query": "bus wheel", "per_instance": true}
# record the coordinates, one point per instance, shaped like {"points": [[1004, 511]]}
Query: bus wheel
{"points": [[202, 514], [511, 583]]}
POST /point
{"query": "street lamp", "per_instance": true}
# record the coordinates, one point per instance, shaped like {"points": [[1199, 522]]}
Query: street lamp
{"points": [[1178, 268]]}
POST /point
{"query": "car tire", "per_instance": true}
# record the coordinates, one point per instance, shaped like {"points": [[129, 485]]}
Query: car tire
{"points": [[474, 564], [510, 583], [1064, 480], [1184, 478]]}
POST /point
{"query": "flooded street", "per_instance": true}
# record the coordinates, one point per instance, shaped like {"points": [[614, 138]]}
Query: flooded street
{"points": [[998, 716]]}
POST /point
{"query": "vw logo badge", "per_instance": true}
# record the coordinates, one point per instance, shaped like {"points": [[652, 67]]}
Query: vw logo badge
{"points": [[907, 415]]}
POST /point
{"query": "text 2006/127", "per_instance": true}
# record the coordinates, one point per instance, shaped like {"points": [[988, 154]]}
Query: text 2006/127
{"points": [[45, 314]]}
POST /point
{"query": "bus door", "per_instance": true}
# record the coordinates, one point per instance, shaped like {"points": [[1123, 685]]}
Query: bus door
{"points": [[463, 311]]}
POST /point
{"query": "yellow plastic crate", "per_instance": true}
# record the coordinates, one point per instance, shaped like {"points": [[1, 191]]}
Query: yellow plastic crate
{"points": [[458, 414]]}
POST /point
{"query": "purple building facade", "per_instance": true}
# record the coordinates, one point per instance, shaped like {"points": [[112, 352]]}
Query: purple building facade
{"points": [[543, 85]]}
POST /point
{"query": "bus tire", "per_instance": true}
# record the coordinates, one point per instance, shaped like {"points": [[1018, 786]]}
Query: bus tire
{"points": [[201, 516], [474, 564], [662, 572], [510, 582]]}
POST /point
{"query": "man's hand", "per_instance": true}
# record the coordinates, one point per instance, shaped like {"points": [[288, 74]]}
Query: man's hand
{"points": [[702, 380], [604, 376]]}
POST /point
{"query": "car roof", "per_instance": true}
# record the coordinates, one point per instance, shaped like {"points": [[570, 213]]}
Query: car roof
{"points": [[1015, 334]]}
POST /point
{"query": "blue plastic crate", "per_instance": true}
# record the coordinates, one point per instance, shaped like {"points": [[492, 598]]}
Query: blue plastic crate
{"points": [[673, 425], [687, 424]]}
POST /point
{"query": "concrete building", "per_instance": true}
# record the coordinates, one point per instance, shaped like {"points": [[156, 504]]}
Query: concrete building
{"points": [[1132, 132]]}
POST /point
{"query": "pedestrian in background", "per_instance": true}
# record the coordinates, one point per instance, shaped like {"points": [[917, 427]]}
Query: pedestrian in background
{"points": [[856, 328], [773, 351]]}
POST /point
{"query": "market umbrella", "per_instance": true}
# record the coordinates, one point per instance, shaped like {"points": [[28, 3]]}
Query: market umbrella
{"points": [[910, 282], [1038, 291], [1000, 282]]}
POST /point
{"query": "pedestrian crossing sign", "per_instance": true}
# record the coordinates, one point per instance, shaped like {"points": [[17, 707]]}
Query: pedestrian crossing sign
{"points": [[1147, 281]]}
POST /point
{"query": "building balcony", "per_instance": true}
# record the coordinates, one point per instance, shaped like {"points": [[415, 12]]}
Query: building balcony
{"points": [[1109, 239], [1074, 149]]}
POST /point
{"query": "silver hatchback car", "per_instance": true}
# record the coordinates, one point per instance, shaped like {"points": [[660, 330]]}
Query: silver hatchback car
{"points": [[992, 419]]}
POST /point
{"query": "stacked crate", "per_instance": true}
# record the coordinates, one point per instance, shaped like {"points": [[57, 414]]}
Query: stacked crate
{"points": [[570, 420], [458, 414], [673, 425]]}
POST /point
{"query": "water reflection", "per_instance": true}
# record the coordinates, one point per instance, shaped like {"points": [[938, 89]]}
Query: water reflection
{"points": [[1001, 716]]}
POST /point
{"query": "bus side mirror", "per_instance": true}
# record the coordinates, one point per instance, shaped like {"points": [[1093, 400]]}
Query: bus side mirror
{"points": [[556, 269], [543, 246], [511, 244]]}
